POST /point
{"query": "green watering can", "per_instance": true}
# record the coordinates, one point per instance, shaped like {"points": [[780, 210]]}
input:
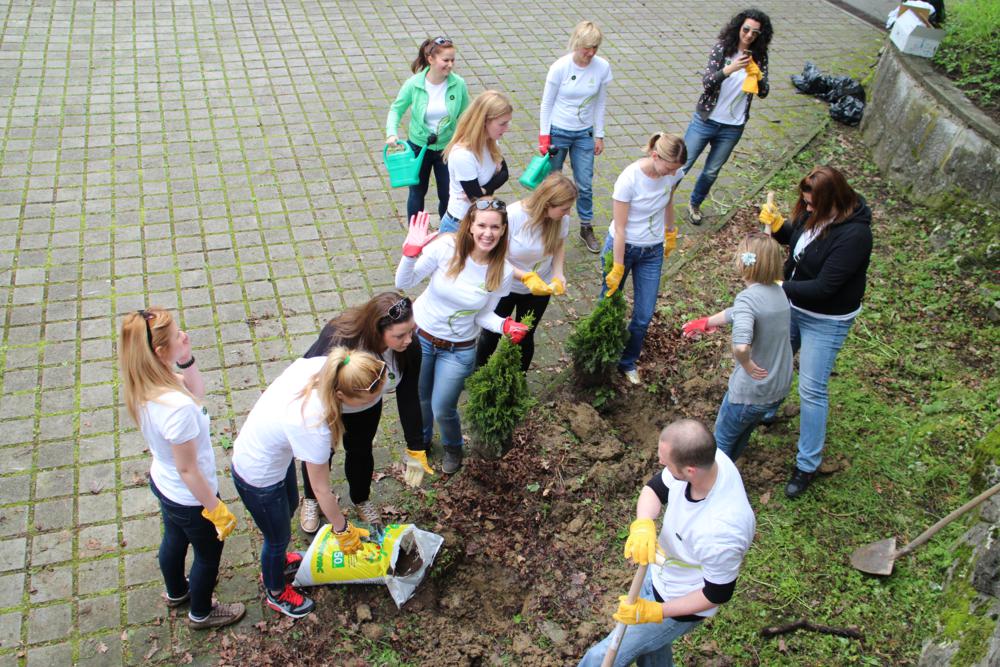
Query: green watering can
{"points": [[537, 170], [403, 166]]}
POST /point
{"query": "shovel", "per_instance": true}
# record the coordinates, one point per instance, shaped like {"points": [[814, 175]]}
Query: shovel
{"points": [[878, 557], [633, 592]]}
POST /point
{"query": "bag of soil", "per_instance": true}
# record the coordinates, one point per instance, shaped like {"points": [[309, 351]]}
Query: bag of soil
{"points": [[848, 110], [840, 87], [811, 81], [400, 560]]}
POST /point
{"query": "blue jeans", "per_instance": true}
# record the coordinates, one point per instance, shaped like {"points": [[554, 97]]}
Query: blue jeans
{"points": [[272, 508], [646, 644], [580, 146], [817, 340], [723, 139], [449, 223], [644, 263], [184, 525], [735, 423], [442, 378], [432, 160]]}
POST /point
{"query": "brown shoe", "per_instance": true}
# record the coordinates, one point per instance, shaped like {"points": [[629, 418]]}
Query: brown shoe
{"points": [[587, 234], [222, 614]]}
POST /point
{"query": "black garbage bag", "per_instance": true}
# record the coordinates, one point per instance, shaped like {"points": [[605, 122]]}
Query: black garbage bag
{"points": [[842, 86], [811, 81], [847, 110]]}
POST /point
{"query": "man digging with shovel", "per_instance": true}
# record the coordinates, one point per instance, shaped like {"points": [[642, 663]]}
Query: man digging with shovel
{"points": [[707, 528]]}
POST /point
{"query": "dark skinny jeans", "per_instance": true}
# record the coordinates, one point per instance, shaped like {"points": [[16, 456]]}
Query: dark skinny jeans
{"points": [[432, 160], [359, 464]]}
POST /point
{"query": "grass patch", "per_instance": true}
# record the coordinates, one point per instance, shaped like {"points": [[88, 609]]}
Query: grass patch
{"points": [[970, 51]]}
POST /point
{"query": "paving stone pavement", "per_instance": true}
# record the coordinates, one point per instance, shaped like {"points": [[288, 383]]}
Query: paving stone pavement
{"points": [[223, 159]]}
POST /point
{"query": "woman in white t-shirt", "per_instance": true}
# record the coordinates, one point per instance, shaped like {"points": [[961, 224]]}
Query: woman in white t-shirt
{"points": [[383, 326], [299, 416], [538, 229], [476, 168], [736, 71], [643, 234], [167, 408], [468, 276], [572, 116]]}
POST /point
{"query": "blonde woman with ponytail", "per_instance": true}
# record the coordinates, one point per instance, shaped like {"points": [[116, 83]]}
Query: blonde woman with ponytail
{"points": [[476, 167], [166, 405], [538, 227], [643, 234], [299, 416]]}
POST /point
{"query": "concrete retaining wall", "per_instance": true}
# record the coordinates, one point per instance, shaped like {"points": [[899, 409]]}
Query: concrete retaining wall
{"points": [[926, 136]]}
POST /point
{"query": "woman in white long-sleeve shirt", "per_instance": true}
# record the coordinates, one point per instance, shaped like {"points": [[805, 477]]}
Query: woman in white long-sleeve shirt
{"points": [[572, 116], [468, 276]]}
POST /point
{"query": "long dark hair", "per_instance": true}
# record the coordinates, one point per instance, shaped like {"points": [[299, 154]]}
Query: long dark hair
{"points": [[428, 48], [730, 34], [363, 326], [833, 199]]}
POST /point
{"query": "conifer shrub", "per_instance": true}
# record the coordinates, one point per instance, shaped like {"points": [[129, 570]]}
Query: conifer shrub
{"points": [[597, 341], [497, 399]]}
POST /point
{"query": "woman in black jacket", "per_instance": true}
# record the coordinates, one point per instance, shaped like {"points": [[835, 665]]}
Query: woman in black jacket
{"points": [[830, 240], [736, 72], [383, 326]]}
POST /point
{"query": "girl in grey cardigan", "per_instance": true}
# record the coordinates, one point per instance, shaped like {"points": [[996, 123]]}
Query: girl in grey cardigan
{"points": [[761, 344]]}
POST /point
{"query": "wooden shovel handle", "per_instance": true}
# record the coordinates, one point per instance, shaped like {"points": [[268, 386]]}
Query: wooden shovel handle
{"points": [[930, 532], [770, 197], [619, 631]]}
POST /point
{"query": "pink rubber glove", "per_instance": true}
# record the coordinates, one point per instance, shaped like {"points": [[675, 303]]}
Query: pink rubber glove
{"points": [[698, 326], [515, 330], [417, 236], [544, 141]]}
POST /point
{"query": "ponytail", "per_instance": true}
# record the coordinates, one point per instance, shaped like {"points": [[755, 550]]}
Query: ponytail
{"points": [[428, 48], [353, 373], [668, 146]]}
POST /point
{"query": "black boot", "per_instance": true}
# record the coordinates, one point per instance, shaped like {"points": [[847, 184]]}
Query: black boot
{"points": [[799, 482]]}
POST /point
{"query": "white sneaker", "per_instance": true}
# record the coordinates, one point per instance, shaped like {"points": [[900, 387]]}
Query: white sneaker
{"points": [[633, 376], [309, 516]]}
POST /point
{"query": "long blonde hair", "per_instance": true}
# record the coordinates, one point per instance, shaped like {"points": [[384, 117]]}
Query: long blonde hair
{"points": [[464, 244], [557, 189], [471, 130], [145, 376], [354, 373]]}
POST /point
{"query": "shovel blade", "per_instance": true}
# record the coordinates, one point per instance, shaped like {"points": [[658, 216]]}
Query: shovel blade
{"points": [[875, 558]]}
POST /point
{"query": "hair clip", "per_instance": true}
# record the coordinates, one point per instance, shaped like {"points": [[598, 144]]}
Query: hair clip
{"points": [[347, 360], [748, 258]]}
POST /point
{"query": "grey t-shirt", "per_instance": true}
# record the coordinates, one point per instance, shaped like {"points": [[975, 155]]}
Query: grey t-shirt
{"points": [[761, 318]]}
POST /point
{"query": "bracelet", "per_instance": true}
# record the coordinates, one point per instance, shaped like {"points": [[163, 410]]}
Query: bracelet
{"points": [[187, 364]]}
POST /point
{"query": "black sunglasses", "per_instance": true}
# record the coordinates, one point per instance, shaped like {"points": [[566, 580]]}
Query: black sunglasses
{"points": [[748, 29], [398, 312], [147, 316], [487, 204], [443, 41]]}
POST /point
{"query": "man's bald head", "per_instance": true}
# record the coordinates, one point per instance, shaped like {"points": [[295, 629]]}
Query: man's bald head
{"points": [[691, 444]]}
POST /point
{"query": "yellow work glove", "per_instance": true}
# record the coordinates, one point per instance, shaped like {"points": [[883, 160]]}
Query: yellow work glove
{"points": [[416, 466], [222, 519], [350, 539], [614, 278], [534, 283], [642, 611], [557, 286], [641, 543], [770, 216], [753, 76], [669, 242]]}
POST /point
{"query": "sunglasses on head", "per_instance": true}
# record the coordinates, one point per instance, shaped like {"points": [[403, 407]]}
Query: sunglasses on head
{"points": [[486, 204], [442, 41], [747, 29], [147, 316], [381, 373], [398, 311]]}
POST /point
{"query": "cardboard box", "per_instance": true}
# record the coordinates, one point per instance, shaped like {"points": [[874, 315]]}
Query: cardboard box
{"points": [[913, 34]]}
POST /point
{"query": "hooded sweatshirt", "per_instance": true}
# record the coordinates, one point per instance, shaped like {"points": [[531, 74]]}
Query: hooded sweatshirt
{"points": [[830, 274]]}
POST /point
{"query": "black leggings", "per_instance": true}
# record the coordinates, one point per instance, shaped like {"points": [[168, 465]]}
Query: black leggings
{"points": [[524, 303], [359, 464]]}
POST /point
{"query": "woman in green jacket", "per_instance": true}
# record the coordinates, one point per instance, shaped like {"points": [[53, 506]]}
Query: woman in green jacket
{"points": [[436, 97]]}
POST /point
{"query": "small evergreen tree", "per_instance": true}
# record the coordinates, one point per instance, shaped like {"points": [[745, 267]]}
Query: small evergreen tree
{"points": [[498, 398], [597, 341]]}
